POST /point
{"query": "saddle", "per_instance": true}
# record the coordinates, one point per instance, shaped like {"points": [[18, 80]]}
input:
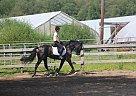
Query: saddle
{"points": [[56, 51]]}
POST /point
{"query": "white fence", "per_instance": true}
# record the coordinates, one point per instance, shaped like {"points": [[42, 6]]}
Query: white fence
{"points": [[10, 54]]}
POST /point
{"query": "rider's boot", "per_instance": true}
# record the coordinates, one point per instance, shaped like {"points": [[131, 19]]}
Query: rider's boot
{"points": [[61, 51]]}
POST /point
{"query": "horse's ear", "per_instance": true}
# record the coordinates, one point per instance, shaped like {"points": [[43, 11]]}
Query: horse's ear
{"points": [[67, 43], [82, 42], [71, 41]]}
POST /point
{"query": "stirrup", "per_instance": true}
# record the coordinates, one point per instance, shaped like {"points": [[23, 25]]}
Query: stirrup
{"points": [[60, 57]]}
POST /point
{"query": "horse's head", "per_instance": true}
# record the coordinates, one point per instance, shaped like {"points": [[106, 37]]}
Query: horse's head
{"points": [[77, 46]]}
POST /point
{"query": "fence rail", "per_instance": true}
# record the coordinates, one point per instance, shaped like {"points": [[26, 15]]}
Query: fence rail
{"points": [[111, 46], [9, 56], [15, 50]]}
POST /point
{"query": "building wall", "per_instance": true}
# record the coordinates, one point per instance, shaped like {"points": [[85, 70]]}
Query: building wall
{"points": [[44, 29]]}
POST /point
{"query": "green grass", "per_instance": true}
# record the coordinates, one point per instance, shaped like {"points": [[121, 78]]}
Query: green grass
{"points": [[87, 67], [110, 66], [110, 57], [66, 68], [9, 72]]}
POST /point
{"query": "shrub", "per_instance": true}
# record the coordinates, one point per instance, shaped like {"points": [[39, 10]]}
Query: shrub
{"points": [[12, 31], [77, 32]]}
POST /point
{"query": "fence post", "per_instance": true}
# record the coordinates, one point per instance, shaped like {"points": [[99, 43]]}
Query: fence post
{"points": [[4, 54], [82, 60], [24, 47], [10, 54]]}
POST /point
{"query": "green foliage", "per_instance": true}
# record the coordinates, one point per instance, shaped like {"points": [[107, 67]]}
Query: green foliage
{"points": [[114, 8], [6, 6], [89, 9], [70, 9], [76, 32], [67, 68], [33, 6], [12, 30], [80, 9]]}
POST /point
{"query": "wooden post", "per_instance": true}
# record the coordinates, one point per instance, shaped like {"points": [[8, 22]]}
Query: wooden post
{"points": [[21, 69], [82, 60], [102, 22]]}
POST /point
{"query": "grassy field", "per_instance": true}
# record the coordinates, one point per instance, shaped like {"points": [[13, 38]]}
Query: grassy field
{"points": [[66, 68], [86, 67]]}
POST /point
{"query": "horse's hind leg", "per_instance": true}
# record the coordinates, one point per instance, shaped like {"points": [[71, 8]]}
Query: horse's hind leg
{"points": [[61, 64], [71, 65], [45, 65], [36, 66]]}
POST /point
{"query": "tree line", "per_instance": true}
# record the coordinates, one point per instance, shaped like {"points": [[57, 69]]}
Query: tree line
{"points": [[79, 9]]}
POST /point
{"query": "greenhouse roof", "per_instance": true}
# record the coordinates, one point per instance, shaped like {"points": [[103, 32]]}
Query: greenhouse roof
{"points": [[128, 33], [95, 24], [56, 18]]}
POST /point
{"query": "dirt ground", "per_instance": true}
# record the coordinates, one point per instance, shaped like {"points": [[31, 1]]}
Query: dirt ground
{"points": [[102, 83]]}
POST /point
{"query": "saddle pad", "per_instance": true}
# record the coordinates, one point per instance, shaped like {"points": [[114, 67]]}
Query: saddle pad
{"points": [[55, 51]]}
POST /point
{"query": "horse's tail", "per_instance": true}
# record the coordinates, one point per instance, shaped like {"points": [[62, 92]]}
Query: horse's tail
{"points": [[30, 58]]}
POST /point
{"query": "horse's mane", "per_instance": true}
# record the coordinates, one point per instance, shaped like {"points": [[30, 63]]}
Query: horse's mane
{"points": [[71, 41]]}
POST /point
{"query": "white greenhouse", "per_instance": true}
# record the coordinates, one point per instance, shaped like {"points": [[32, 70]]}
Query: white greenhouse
{"points": [[45, 22], [122, 27], [127, 34]]}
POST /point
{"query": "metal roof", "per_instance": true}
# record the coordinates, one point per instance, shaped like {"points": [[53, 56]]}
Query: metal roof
{"points": [[128, 33], [94, 24], [55, 18]]}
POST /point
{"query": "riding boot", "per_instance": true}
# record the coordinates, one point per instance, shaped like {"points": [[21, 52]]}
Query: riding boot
{"points": [[61, 51]]}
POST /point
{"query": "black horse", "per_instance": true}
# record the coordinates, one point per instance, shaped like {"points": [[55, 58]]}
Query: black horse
{"points": [[46, 51]]}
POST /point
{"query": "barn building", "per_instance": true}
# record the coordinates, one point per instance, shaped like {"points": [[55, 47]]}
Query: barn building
{"points": [[45, 22], [116, 30]]}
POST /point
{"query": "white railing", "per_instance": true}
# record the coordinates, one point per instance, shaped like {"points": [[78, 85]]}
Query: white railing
{"points": [[11, 53]]}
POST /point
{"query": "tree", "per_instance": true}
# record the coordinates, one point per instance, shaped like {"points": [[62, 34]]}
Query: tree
{"points": [[6, 6], [77, 32], [54, 5], [89, 9], [116, 8], [70, 8], [33, 7], [94, 10], [80, 9]]}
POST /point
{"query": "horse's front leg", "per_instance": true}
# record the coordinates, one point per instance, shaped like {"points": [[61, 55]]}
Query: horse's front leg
{"points": [[36, 66], [61, 64], [71, 65]]}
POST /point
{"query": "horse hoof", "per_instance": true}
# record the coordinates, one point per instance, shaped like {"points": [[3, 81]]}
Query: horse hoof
{"points": [[56, 74], [33, 75], [50, 75], [47, 73], [72, 72]]}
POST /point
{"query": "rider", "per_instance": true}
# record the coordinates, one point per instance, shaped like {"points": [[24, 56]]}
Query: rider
{"points": [[57, 41]]}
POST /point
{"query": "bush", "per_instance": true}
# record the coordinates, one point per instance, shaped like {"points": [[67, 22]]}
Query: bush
{"points": [[77, 32], [12, 31]]}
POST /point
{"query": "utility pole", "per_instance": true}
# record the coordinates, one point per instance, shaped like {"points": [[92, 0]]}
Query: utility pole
{"points": [[102, 22]]}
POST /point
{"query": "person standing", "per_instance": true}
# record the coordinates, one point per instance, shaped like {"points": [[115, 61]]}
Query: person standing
{"points": [[57, 41]]}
